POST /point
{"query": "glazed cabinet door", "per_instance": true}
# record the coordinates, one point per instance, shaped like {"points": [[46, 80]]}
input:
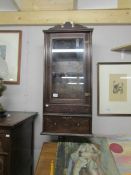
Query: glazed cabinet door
{"points": [[68, 73]]}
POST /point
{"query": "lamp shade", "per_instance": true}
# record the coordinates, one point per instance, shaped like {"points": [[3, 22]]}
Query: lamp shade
{"points": [[3, 69]]}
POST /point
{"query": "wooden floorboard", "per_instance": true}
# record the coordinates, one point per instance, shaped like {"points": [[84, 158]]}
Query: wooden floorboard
{"points": [[47, 155]]}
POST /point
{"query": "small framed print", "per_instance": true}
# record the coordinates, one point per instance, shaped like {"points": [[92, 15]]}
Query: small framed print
{"points": [[114, 88]]}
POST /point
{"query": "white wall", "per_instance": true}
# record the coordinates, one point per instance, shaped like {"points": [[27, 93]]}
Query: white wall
{"points": [[28, 96], [105, 38], [96, 4], [7, 5]]}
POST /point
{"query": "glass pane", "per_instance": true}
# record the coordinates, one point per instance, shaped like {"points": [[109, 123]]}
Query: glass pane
{"points": [[67, 68]]}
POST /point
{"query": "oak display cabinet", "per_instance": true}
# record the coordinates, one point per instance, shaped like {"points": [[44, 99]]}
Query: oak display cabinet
{"points": [[67, 108]]}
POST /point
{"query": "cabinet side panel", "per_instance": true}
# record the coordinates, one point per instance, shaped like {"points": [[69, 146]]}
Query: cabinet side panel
{"points": [[22, 149]]}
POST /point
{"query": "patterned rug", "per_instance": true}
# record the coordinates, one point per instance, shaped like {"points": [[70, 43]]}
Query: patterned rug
{"points": [[88, 156]]}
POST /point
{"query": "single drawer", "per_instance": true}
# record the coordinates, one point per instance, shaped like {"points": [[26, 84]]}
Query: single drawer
{"points": [[67, 124]]}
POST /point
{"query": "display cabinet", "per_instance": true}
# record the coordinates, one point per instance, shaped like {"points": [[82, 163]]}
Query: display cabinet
{"points": [[67, 98]]}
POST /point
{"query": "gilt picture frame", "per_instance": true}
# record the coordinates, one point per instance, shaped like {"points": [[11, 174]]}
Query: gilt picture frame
{"points": [[114, 89], [10, 52]]}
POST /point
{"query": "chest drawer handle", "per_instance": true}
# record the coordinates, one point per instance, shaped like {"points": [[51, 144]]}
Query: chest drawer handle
{"points": [[7, 135]]}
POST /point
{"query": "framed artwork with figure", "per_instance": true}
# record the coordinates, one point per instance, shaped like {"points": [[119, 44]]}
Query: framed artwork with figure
{"points": [[10, 54], [114, 84]]}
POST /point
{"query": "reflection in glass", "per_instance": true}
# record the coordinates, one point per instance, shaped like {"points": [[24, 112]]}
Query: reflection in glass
{"points": [[67, 50], [67, 68]]}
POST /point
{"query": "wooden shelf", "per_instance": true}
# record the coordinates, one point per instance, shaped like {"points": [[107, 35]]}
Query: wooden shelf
{"points": [[126, 47]]}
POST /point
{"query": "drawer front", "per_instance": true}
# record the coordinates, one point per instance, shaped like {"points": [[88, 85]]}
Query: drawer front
{"points": [[67, 124], [60, 108], [5, 140]]}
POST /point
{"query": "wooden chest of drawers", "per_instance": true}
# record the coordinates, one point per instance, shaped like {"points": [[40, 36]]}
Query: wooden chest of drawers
{"points": [[16, 143]]}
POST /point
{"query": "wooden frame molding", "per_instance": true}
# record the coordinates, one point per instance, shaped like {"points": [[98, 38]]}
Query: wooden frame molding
{"points": [[92, 17]]}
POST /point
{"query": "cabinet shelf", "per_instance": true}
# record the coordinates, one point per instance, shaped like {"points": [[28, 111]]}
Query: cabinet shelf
{"points": [[126, 47]]}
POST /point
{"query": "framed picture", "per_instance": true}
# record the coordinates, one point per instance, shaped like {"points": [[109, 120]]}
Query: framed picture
{"points": [[114, 88], [10, 53]]}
